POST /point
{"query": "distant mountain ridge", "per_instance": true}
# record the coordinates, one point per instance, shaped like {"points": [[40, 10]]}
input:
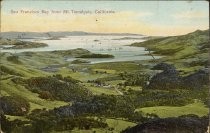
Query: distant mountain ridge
{"points": [[23, 35]]}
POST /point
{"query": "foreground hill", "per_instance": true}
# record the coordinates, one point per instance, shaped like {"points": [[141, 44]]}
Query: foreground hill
{"points": [[182, 124]]}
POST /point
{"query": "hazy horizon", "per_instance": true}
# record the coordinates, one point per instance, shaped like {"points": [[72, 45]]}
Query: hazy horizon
{"points": [[97, 32], [154, 18]]}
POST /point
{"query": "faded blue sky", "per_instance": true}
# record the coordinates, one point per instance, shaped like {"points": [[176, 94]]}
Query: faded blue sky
{"points": [[146, 17]]}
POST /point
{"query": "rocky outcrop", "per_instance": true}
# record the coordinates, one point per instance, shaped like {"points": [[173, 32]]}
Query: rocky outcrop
{"points": [[172, 125], [169, 78], [163, 66], [196, 80]]}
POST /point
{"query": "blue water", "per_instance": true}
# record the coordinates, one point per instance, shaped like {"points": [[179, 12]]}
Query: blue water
{"points": [[95, 44]]}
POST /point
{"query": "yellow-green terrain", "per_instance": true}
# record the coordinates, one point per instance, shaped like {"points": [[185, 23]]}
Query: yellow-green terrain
{"points": [[42, 92]]}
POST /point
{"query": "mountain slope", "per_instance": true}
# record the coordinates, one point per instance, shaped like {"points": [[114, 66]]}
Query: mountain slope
{"points": [[185, 51], [26, 35]]}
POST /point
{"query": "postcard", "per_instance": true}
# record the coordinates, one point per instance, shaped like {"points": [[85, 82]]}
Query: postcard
{"points": [[104, 66]]}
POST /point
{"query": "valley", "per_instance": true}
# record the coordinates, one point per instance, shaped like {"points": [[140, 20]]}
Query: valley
{"points": [[82, 88]]}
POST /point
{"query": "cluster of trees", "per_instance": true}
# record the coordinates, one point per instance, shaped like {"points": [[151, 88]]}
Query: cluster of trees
{"points": [[86, 115], [58, 87], [104, 105], [17, 126], [109, 106], [14, 59], [14, 105], [86, 106], [42, 121], [134, 79], [184, 90], [80, 123], [183, 124], [5, 124], [46, 95], [80, 114], [150, 98], [102, 81]]}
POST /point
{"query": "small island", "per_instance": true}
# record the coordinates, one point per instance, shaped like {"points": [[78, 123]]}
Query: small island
{"points": [[54, 38], [18, 44], [80, 61], [96, 56]]}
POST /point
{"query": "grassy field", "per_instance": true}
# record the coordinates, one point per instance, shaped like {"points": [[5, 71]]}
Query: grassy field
{"points": [[101, 90], [11, 118], [9, 88], [117, 66], [196, 108], [119, 125], [82, 76]]}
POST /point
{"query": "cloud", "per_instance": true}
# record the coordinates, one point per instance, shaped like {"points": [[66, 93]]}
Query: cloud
{"points": [[191, 15]]}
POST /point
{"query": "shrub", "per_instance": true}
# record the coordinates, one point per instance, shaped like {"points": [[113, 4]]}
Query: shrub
{"points": [[14, 105], [61, 88], [46, 95], [14, 59]]}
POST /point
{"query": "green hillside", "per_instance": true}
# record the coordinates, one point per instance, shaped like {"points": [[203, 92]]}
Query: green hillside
{"points": [[77, 96], [187, 52]]}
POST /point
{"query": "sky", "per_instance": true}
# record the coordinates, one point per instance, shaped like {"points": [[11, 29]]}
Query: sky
{"points": [[160, 18]]}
